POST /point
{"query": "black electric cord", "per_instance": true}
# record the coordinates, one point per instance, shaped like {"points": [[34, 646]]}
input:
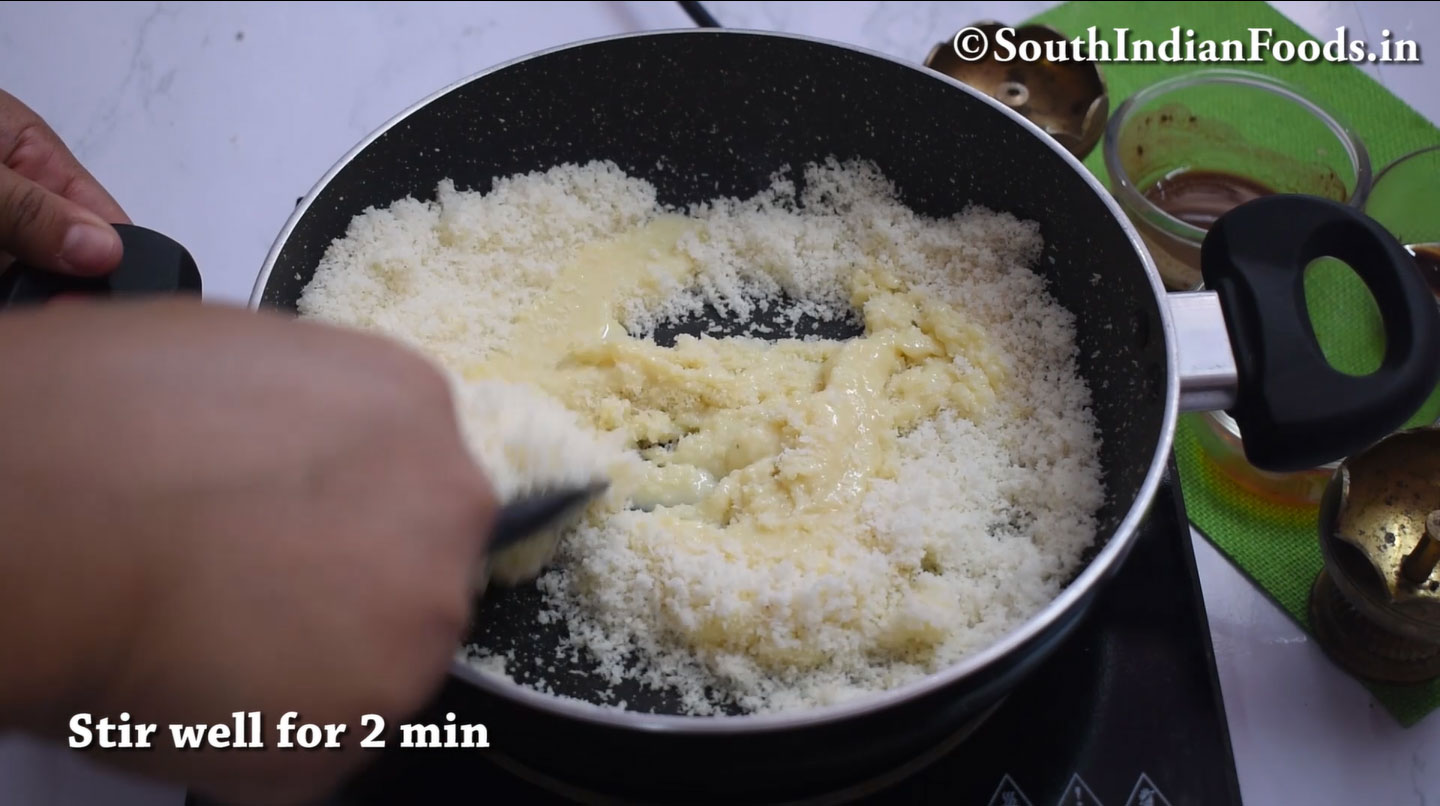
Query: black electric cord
{"points": [[698, 13]]}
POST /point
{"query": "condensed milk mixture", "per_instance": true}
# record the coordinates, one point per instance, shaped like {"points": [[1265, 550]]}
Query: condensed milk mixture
{"points": [[791, 521]]}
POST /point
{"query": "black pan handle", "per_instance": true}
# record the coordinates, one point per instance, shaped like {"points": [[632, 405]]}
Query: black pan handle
{"points": [[152, 264], [1294, 410]]}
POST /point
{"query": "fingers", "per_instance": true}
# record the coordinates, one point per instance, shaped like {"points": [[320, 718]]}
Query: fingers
{"points": [[32, 149], [51, 232], [53, 214]]}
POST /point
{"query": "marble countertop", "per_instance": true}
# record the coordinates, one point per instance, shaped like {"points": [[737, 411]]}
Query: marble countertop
{"points": [[207, 122]]}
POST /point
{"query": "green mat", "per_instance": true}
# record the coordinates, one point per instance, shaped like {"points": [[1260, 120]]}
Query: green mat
{"points": [[1277, 548]]}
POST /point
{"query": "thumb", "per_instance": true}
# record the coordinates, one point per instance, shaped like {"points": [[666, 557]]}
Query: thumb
{"points": [[50, 232]]}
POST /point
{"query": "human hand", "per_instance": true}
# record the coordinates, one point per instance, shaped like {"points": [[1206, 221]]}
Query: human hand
{"points": [[53, 214], [206, 510]]}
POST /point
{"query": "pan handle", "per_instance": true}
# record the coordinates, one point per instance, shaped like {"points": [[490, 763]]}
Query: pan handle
{"points": [[152, 264], [1293, 408]]}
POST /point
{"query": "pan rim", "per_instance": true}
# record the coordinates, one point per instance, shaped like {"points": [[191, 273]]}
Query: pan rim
{"points": [[1105, 563]]}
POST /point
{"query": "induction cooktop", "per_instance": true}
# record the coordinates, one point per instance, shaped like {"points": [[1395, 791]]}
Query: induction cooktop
{"points": [[1128, 712]]}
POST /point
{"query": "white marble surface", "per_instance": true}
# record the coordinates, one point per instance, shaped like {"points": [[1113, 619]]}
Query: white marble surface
{"points": [[208, 121]]}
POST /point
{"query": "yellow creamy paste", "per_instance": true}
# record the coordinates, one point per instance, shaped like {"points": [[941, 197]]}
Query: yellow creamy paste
{"points": [[764, 446]]}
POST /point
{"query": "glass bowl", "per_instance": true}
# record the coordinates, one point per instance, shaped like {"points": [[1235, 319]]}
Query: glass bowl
{"points": [[1219, 439], [1184, 151], [1405, 200]]}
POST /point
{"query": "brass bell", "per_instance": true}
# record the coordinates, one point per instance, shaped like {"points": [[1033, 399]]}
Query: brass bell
{"points": [[1067, 99], [1375, 608]]}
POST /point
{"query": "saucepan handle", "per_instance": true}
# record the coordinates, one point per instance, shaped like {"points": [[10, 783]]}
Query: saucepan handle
{"points": [[1293, 408], [152, 264]]}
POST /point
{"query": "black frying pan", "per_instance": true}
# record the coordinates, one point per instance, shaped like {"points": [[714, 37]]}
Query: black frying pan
{"points": [[701, 113]]}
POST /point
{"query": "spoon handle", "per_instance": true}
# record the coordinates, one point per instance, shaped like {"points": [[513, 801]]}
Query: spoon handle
{"points": [[152, 265], [529, 514]]}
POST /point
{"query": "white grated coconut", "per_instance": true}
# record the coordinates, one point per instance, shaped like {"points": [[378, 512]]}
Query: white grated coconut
{"points": [[980, 525]]}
